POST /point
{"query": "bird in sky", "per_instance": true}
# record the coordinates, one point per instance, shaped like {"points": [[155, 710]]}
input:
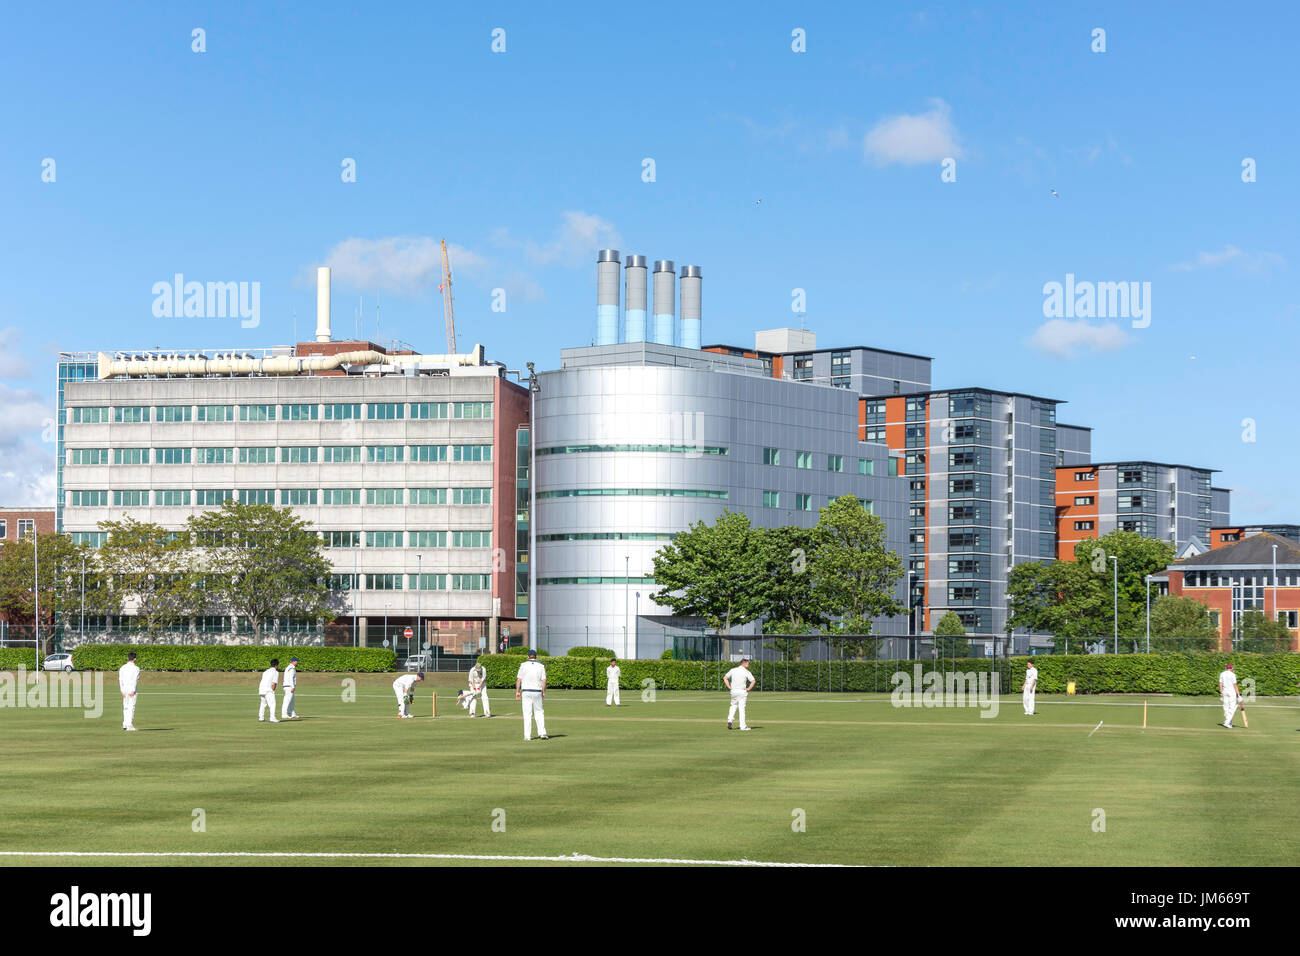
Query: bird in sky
{"points": [[1056, 194]]}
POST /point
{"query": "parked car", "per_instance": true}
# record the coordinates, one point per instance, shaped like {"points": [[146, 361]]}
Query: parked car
{"points": [[58, 662], [421, 661]]}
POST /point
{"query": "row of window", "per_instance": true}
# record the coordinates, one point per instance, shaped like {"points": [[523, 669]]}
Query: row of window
{"points": [[354, 539], [410, 582], [1218, 579], [662, 449], [139, 497], [25, 526], [375, 411], [804, 502], [269, 455]]}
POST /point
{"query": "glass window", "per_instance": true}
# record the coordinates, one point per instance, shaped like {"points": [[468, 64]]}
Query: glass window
{"points": [[1084, 499], [428, 453], [215, 413], [256, 456], [427, 582], [342, 412], [91, 456], [132, 498], [866, 466], [803, 502], [803, 367], [299, 454], [383, 582], [299, 413], [172, 499], [215, 456], [383, 539], [385, 452], [1084, 476], [428, 539], [298, 496], [87, 416], [471, 496], [834, 462], [82, 499], [173, 413], [342, 453], [472, 453], [342, 496], [384, 496], [428, 496], [471, 539], [874, 434], [470, 582], [803, 459], [1083, 526], [341, 539], [428, 409], [257, 413], [131, 413], [257, 496], [771, 456], [472, 410], [771, 499], [212, 497], [385, 411], [172, 456]]}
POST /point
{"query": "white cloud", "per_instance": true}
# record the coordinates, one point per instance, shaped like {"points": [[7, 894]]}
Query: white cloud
{"points": [[12, 363], [913, 138], [1250, 262], [21, 413], [399, 265], [26, 448], [576, 242], [1066, 339]]}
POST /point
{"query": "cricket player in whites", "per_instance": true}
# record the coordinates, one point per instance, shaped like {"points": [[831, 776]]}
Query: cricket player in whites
{"points": [[530, 687], [128, 679], [739, 680], [478, 688], [611, 682], [1031, 687], [266, 691], [402, 688], [290, 685], [1229, 694]]}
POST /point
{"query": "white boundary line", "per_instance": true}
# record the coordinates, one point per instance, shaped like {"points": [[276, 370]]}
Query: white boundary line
{"points": [[573, 858]]}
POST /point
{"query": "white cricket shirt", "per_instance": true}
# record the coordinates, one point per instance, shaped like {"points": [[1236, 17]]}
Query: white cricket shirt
{"points": [[290, 677], [611, 675], [740, 678], [270, 677], [532, 675], [1229, 682], [1031, 679], [128, 677], [405, 682]]}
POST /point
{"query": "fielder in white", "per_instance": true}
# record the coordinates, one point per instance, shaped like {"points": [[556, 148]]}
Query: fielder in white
{"points": [[478, 689], [1229, 694], [128, 680], [611, 683], [402, 688], [739, 680], [530, 687], [266, 691], [1031, 686], [290, 685]]}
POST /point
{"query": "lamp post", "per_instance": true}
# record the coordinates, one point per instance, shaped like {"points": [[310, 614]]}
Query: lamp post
{"points": [[352, 593], [36, 595], [636, 622], [1115, 610], [534, 386], [387, 605], [627, 582], [419, 603], [1148, 582], [1275, 582], [83, 597]]}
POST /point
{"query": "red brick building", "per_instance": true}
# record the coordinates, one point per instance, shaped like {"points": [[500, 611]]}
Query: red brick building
{"points": [[16, 522], [1260, 572]]}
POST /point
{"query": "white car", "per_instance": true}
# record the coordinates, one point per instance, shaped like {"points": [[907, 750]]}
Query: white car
{"points": [[58, 662], [422, 661]]}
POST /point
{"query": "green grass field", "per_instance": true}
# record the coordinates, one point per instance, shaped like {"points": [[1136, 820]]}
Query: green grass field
{"points": [[663, 780]]}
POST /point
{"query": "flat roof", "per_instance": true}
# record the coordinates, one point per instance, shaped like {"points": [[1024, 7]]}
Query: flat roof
{"points": [[1143, 461], [1082, 428], [980, 388], [835, 348]]}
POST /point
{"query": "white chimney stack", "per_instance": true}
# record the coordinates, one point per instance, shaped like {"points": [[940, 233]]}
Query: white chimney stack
{"points": [[323, 304]]}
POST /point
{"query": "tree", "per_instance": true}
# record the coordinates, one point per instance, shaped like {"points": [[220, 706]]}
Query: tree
{"points": [[793, 601], [949, 637], [60, 579], [150, 570], [854, 572], [1258, 634], [1182, 624], [1138, 557], [261, 562], [716, 572]]}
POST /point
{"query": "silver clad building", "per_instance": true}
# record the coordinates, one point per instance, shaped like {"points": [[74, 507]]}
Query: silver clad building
{"points": [[637, 441]]}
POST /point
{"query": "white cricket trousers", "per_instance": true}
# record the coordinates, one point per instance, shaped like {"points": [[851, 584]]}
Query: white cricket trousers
{"points": [[1229, 707], [473, 701], [533, 707], [128, 711], [267, 705], [1027, 698], [402, 708], [286, 707], [738, 703], [611, 693]]}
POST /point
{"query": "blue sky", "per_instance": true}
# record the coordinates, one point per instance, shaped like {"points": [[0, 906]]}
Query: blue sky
{"points": [[225, 166]]}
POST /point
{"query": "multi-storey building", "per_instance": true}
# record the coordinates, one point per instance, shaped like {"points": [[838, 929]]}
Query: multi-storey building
{"points": [[1219, 535], [17, 523], [406, 464], [1173, 503]]}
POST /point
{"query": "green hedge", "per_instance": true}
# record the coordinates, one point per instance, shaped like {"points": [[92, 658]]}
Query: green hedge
{"points": [[604, 652], [1190, 674], [522, 651], [176, 657], [12, 658]]}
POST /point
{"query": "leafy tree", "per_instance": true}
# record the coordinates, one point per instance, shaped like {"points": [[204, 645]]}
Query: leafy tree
{"points": [[60, 562], [1138, 557], [1257, 633], [150, 570], [949, 637], [261, 562], [1182, 624], [854, 572], [793, 601], [716, 572]]}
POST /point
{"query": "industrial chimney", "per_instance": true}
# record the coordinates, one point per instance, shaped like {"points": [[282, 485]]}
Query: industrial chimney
{"points": [[689, 288], [607, 266], [663, 320], [634, 277], [323, 304]]}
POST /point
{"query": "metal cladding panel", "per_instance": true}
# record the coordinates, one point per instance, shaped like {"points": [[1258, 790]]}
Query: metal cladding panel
{"points": [[691, 304], [634, 275], [662, 331], [607, 282]]}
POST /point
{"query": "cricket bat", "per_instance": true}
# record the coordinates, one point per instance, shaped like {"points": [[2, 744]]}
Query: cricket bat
{"points": [[1244, 722]]}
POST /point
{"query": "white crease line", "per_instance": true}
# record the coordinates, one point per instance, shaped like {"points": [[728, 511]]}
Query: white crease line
{"points": [[573, 858]]}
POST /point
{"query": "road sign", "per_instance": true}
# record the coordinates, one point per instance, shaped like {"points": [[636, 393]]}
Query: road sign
{"points": [[407, 633]]}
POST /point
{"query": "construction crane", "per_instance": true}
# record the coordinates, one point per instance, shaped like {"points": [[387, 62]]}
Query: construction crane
{"points": [[445, 289]]}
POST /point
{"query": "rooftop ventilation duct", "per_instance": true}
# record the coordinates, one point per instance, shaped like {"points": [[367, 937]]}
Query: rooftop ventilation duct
{"points": [[665, 278], [607, 266]]}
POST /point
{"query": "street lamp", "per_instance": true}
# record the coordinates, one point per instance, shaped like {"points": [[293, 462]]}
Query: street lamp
{"points": [[1148, 581], [419, 602], [636, 621], [83, 597], [36, 595], [1115, 611], [1275, 582], [387, 605]]}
